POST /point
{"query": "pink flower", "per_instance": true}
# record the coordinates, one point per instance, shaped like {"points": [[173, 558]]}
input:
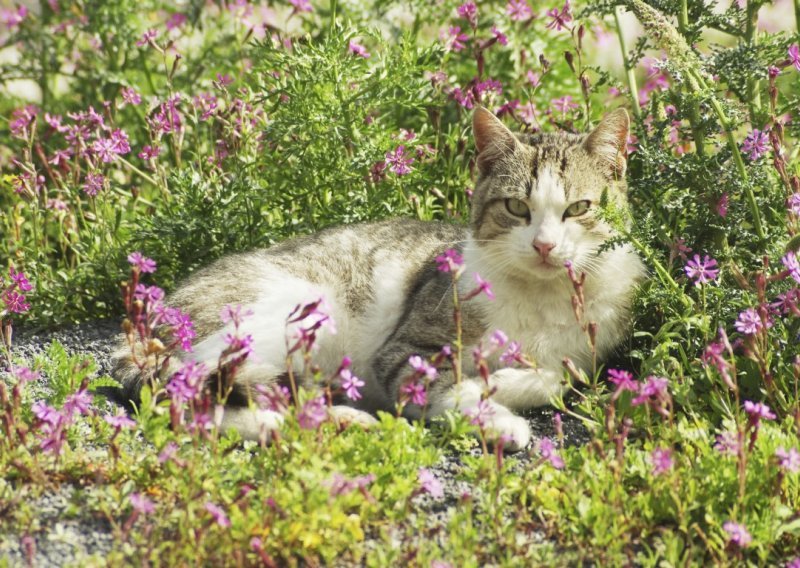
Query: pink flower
{"points": [[748, 322], [481, 414], [141, 504], [468, 11], [758, 411], [737, 534], [176, 20], [651, 392], [701, 271], [518, 10], [429, 484], [548, 451], [18, 279], [560, 20], [564, 104], [755, 144], [119, 420], [794, 56], [147, 37], [218, 514], [661, 460], [414, 392], [105, 148], [357, 49], [722, 205], [130, 96], [234, 313], [788, 460], [501, 38], [453, 39], [301, 5], [450, 261], [623, 379], [24, 374], [789, 260], [312, 414], [93, 183], [398, 162], [13, 18], [727, 443], [15, 302], [351, 384], [465, 98], [512, 354], [422, 367], [793, 204], [141, 263], [483, 287], [150, 152]]}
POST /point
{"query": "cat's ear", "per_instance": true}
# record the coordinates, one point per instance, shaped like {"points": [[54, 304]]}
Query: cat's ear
{"points": [[609, 140], [492, 139]]}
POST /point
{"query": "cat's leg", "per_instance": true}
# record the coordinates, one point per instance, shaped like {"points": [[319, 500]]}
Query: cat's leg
{"points": [[496, 417], [347, 415], [252, 424], [520, 389]]}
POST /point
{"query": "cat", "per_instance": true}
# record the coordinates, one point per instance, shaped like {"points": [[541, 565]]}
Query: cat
{"points": [[534, 207]]}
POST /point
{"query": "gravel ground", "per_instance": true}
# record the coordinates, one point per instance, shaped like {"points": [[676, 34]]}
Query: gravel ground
{"points": [[62, 537]]}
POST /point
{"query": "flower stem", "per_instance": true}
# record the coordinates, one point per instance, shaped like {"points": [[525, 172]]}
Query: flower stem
{"points": [[634, 90], [751, 37]]}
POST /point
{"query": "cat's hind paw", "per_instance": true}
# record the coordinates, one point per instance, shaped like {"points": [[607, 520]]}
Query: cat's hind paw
{"points": [[515, 431], [345, 416]]}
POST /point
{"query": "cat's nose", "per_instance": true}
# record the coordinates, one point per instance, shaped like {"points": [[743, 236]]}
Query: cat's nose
{"points": [[543, 248]]}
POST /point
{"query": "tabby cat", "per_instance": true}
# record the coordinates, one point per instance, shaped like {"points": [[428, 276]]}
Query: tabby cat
{"points": [[534, 208]]}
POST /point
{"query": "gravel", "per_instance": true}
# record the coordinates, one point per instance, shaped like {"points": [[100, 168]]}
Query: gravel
{"points": [[61, 536]]}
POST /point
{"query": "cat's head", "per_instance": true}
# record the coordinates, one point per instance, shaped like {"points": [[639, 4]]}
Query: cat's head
{"points": [[536, 199]]}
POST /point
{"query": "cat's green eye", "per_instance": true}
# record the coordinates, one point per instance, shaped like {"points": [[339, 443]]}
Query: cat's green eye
{"points": [[517, 208], [577, 209]]}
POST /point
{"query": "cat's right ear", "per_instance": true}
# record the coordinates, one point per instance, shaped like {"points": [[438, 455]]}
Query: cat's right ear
{"points": [[492, 139]]}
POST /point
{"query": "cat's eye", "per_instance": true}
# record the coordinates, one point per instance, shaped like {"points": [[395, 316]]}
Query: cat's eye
{"points": [[517, 207], [577, 209]]}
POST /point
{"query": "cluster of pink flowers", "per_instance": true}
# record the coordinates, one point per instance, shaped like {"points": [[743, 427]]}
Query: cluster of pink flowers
{"points": [[53, 424], [11, 298]]}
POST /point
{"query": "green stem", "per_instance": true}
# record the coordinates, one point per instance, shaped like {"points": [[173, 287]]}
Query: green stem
{"points": [[694, 108], [797, 14], [662, 272], [634, 90], [751, 37]]}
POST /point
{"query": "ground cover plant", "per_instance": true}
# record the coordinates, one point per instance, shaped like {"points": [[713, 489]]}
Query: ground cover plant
{"points": [[164, 135]]}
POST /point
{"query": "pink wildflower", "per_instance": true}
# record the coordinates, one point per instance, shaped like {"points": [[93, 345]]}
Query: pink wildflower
{"points": [[147, 37], [141, 262], [564, 104], [351, 384], [791, 263], [218, 514], [119, 420], [481, 414], [518, 10], [130, 96], [313, 413], [737, 534], [429, 484], [450, 261], [560, 20], [468, 11], [661, 460], [399, 163], [701, 271], [788, 460], [794, 56], [357, 49], [141, 504], [453, 39], [755, 144], [548, 451], [749, 322]]}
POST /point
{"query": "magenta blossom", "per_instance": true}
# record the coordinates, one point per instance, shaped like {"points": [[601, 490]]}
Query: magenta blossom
{"points": [[422, 367], [312, 414], [661, 460], [119, 420], [701, 271], [653, 389], [788, 461], [141, 263], [149, 152], [794, 56], [758, 411], [187, 383], [218, 514], [501, 38], [351, 384], [737, 534], [793, 204], [468, 11], [93, 183], [624, 381], [398, 162], [748, 322], [301, 5], [429, 484], [130, 96], [564, 104], [560, 20], [792, 265], [357, 49], [414, 392], [728, 443], [141, 504], [481, 414], [483, 287], [518, 10], [147, 37], [450, 261], [15, 302], [453, 39], [547, 450], [755, 144]]}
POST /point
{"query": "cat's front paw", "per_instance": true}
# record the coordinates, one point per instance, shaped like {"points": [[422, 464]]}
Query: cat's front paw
{"points": [[514, 429]]}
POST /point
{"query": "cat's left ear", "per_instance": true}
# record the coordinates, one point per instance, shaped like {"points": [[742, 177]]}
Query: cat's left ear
{"points": [[492, 139], [608, 142]]}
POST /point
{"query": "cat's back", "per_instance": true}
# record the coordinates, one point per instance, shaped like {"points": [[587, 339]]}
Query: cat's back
{"points": [[359, 264]]}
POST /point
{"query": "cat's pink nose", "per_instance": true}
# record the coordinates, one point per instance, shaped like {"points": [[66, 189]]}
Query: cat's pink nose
{"points": [[543, 248]]}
